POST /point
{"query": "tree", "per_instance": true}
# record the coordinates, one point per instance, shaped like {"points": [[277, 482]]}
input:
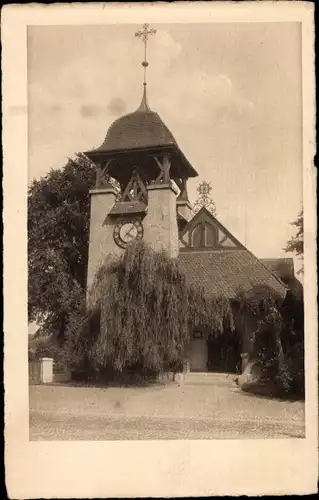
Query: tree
{"points": [[140, 315], [58, 232], [296, 244]]}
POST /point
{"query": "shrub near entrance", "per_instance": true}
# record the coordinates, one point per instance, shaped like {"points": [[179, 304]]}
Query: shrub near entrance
{"points": [[277, 372]]}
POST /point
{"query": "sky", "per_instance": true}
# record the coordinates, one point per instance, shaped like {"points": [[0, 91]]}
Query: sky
{"points": [[230, 94]]}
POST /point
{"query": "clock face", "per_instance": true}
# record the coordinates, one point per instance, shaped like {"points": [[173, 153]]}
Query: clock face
{"points": [[127, 232]]}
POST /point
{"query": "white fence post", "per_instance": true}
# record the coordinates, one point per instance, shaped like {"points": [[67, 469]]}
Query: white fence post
{"points": [[46, 370]]}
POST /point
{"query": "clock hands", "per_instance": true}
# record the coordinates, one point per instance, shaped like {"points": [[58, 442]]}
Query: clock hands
{"points": [[129, 232], [126, 232]]}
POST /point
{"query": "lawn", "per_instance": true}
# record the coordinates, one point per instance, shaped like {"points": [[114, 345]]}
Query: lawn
{"points": [[206, 406]]}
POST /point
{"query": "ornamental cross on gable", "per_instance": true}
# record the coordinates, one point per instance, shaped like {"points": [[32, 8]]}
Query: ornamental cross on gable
{"points": [[204, 199], [144, 34]]}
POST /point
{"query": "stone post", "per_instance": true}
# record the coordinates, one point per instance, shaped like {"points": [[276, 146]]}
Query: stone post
{"points": [[244, 361], [46, 370], [179, 378]]}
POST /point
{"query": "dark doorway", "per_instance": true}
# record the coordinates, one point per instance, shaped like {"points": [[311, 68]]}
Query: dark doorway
{"points": [[224, 353]]}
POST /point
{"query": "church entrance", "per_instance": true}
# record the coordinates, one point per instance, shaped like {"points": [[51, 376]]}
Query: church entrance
{"points": [[198, 354], [220, 353], [224, 353]]}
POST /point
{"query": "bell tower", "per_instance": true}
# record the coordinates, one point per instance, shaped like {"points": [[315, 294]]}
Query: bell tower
{"points": [[141, 154]]}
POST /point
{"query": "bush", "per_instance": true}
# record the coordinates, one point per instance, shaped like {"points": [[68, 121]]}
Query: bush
{"points": [[278, 347], [81, 333], [290, 379], [266, 349], [291, 376]]}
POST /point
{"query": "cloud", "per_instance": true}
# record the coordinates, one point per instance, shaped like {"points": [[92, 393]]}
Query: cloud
{"points": [[162, 51], [89, 110], [116, 106], [165, 44], [220, 93], [55, 108], [92, 110], [201, 96], [221, 89]]}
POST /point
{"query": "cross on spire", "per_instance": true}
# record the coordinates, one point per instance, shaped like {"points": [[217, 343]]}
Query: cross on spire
{"points": [[144, 34]]}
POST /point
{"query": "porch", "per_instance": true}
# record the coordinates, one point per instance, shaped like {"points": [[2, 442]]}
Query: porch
{"points": [[221, 354]]}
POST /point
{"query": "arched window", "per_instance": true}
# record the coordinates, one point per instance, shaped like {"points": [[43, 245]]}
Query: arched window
{"points": [[204, 235], [198, 236], [211, 236]]}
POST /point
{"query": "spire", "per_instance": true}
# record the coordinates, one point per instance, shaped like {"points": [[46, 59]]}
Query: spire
{"points": [[144, 34], [144, 107]]}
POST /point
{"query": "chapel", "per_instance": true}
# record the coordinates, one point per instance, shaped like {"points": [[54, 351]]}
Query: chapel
{"points": [[142, 155]]}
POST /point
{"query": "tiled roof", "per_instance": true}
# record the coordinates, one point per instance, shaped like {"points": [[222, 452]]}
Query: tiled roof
{"points": [[141, 129], [226, 272], [283, 268], [128, 207]]}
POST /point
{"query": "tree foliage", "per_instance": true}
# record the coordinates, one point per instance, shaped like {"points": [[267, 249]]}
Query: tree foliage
{"points": [[142, 312], [296, 243], [41, 348], [263, 306], [292, 374], [58, 231], [278, 343]]}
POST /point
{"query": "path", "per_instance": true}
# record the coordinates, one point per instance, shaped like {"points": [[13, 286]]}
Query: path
{"points": [[207, 406]]}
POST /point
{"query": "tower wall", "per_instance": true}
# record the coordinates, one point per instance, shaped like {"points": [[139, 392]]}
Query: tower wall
{"points": [[101, 242], [160, 223], [184, 208]]}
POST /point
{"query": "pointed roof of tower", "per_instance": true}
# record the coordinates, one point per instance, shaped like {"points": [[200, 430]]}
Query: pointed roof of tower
{"points": [[137, 136], [141, 129]]}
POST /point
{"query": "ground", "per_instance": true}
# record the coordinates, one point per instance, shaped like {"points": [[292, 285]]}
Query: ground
{"points": [[206, 406]]}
